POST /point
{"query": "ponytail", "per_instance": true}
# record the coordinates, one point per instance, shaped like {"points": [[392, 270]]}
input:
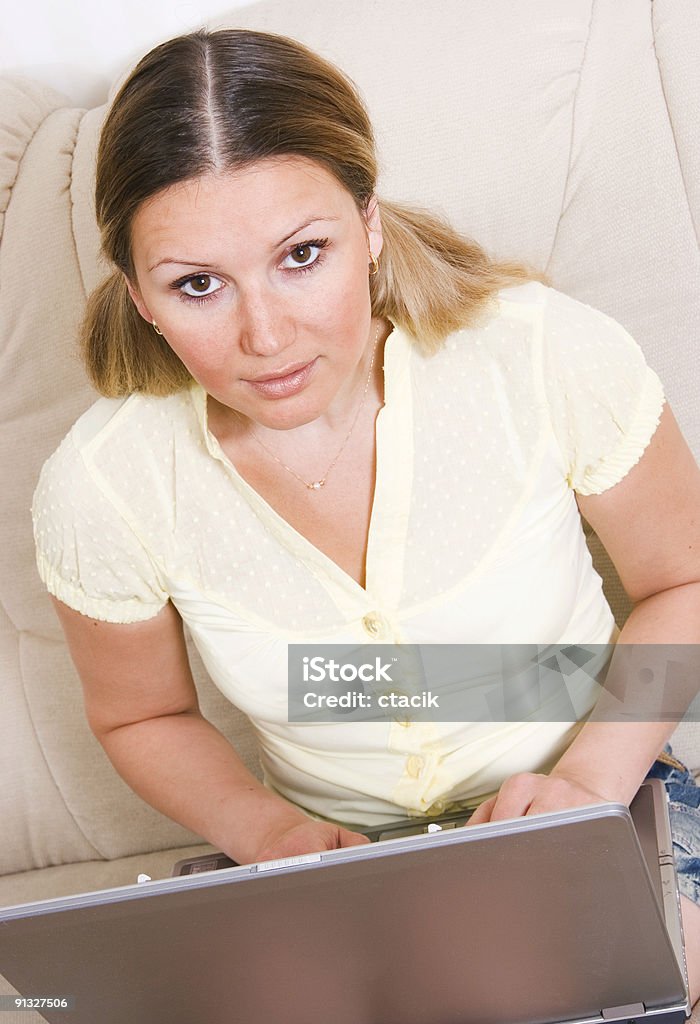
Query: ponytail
{"points": [[120, 351], [432, 280]]}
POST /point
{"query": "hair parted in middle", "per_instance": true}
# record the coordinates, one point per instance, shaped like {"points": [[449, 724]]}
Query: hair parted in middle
{"points": [[218, 101]]}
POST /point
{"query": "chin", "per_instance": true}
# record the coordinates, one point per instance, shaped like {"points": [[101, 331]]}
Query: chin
{"points": [[286, 421]]}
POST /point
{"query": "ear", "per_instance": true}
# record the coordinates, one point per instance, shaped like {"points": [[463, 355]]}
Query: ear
{"points": [[373, 223], [137, 299]]}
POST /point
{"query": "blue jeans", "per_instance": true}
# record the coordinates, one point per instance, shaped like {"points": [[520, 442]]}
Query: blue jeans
{"points": [[684, 812]]}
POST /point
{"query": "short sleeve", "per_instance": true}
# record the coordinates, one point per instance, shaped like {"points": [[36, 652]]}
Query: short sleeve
{"points": [[87, 556], [605, 401]]}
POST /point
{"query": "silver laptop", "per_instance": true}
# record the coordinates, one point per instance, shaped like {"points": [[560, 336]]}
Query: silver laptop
{"points": [[565, 917]]}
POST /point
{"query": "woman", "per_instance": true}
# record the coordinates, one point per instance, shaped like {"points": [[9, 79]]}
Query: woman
{"points": [[330, 419]]}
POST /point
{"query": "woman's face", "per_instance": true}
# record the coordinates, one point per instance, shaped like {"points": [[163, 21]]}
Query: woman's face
{"points": [[258, 280]]}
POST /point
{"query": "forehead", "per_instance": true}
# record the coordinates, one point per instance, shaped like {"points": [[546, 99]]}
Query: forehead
{"points": [[265, 197]]}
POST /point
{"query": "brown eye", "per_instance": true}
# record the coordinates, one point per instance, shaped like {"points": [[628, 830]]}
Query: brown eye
{"points": [[301, 253], [199, 285], [305, 255]]}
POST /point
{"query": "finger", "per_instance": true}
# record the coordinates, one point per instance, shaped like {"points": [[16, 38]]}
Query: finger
{"points": [[516, 796], [306, 838], [510, 808], [348, 838], [483, 812]]}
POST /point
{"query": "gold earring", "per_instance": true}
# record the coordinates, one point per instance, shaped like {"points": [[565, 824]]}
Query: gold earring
{"points": [[157, 329], [375, 263]]}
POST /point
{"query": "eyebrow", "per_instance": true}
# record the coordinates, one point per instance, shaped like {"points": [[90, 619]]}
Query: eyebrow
{"points": [[306, 224], [213, 266]]}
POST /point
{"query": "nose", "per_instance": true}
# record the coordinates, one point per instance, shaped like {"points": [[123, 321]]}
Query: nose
{"points": [[264, 324]]}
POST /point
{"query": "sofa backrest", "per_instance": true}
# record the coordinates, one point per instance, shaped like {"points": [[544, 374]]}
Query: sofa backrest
{"points": [[557, 133]]}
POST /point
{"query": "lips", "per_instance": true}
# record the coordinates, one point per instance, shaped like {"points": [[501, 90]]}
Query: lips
{"points": [[287, 383]]}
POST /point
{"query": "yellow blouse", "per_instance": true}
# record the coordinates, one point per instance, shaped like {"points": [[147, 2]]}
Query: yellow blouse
{"points": [[475, 537]]}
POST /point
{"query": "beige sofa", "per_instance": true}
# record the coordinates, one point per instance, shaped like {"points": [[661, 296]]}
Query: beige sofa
{"points": [[562, 132]]}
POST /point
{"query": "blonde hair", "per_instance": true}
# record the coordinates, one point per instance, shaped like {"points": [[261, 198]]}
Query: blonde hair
{"points": [[212, 101]]}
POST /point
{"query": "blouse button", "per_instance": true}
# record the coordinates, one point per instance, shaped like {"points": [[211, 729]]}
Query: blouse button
{"points": [[414, 766], [372, 624]]}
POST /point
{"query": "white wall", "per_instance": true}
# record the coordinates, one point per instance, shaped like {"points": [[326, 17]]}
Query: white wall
{"points": [[80, 46]]}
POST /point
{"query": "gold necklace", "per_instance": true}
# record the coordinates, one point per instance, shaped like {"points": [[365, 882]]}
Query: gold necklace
{"points": [[316, 485]]}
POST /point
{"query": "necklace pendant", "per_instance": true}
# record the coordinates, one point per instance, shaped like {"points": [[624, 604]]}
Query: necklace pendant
{"points": [[318, 484]]}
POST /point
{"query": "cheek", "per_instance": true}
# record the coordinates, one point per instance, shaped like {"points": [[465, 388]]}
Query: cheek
{"points": [[203, 351], [347, 295]]}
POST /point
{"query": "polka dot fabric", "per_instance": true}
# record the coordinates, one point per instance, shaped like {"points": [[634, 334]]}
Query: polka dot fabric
{"points": [[605, 402], [475, 537], [475, 449], [87, 555]]}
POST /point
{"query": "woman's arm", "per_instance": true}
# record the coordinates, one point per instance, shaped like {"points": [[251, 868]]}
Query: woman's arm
{"points": [[649, 524], [141, 704]]}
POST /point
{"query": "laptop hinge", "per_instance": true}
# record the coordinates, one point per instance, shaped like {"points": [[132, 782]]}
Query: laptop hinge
{"points": [[629, 1011]]}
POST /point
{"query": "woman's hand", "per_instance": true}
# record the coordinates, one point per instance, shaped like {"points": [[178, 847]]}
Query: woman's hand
{"points": [[308, 837], [532, 793]]}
